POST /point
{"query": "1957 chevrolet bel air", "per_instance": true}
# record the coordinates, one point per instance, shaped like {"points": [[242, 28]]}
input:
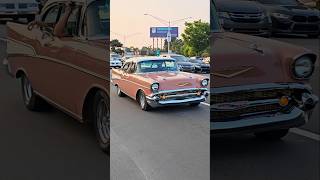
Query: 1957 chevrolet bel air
{"points": [[68, 70], [156, 81], [259, 85]]}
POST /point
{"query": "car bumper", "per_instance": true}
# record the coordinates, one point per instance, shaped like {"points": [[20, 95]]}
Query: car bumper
{"points": [[154, 100], [260, 28], [289, 26], [296, 116]]}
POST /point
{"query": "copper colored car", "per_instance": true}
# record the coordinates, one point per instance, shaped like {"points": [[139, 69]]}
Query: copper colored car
{"points": [[67, 70], [259, 85], [156, 81]]}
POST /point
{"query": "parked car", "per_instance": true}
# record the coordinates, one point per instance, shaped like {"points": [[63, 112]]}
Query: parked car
{"points": [[69, 70], [182, 61], [156, 81], [200, 65], [291, 16], [260, 85], [244, 17], [115, 60], [15, 9], [126, 57]]}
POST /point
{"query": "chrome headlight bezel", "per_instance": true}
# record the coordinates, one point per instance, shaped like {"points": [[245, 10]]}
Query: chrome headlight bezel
{"points": [[155, 87], [301, 73], [204, 82]]}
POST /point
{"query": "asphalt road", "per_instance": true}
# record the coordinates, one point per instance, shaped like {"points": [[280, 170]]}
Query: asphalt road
{"points": [[296, 157], [46, 145], [163, 144]]}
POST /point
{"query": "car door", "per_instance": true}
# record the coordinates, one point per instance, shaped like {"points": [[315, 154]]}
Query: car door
{"points": [[124, 76], [131, 80]]}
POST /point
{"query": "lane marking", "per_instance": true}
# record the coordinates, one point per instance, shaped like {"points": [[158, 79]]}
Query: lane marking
{"points": [[305, 133], [206, 104]]}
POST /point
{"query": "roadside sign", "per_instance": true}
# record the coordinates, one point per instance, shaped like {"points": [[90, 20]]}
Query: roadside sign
{"points": [[162, 32]]}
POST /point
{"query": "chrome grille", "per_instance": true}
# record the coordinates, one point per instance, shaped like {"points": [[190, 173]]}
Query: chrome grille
{"points": [[246, 17]]}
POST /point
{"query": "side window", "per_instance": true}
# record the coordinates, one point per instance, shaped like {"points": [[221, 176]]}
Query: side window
{"points": [[51, 16], [72, 27], [132, 68]]}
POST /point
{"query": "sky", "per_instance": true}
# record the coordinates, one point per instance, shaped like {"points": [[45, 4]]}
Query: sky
{"points": [[128, 19]]}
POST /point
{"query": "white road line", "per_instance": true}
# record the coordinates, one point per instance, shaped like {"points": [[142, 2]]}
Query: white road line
{"points": [[305, 133], [206, 104]]}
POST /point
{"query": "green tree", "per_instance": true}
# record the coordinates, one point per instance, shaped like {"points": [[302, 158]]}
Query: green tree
{"points": [[196, 37], [175, 45], [116, 45]]}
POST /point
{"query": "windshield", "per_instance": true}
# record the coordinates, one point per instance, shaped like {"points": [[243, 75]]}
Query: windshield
{"points": [[214, 20], [196, 61], [156, 66], [98, 19], [180, 58], [280, 2]]}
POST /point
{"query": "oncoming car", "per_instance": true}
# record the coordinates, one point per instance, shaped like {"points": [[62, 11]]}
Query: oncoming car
{"points": [[68, 69], [156, 82], [260, 86]]}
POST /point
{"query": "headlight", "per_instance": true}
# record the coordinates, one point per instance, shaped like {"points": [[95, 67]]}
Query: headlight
{"points": [[155, 87], [205, 82], [179, 67], [303, 67], [280, 16], [223, 15]]}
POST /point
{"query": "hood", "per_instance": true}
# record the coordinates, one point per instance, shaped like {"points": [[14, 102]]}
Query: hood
{"points": [[238, 6], [175, 80], [241, 60], [185, 63], [294, 10]]}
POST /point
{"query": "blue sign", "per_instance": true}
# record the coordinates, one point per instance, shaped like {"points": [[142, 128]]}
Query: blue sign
{"points": [[162, 32]]}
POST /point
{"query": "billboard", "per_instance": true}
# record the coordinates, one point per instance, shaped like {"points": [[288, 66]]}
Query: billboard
{"points": [[161, 32]]}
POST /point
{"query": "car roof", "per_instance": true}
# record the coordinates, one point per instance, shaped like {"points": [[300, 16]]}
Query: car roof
{"points": [[148, 58]]}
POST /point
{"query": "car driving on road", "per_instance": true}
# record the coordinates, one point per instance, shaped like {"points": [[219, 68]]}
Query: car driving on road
{"points": [[182, 61], [259, 85], [200, 65], [156, 81], [244, 17], [62, 59], [115, 60], [15, 9], [291, 16]]}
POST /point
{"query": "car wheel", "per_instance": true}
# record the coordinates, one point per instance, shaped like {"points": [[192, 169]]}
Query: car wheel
{"points": [[194, 104], [102, 120], [32, 101], [119, 92], [272, 135], [143, 101]]}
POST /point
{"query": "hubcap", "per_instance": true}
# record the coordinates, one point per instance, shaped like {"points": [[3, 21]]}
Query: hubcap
{"points": [[142, 100], [27, 90], [103, 116]]}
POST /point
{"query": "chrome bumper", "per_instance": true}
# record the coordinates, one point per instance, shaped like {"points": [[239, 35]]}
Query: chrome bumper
{"points": [[297, 116], [154, 100]]}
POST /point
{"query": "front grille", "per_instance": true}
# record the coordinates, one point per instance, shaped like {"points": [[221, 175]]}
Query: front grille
{"points": [[10, 6], [222, 115], [246, 17], [181, 95], [249, 96], [23, 6], [302, 19]]}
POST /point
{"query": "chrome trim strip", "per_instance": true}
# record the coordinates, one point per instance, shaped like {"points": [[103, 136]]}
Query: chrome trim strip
{"points": [[179, 90], [255, 87], [249, 104], [202, 98]]}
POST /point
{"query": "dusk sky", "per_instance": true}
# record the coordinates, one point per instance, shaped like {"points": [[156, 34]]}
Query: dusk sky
{"points": [[127, 17]]}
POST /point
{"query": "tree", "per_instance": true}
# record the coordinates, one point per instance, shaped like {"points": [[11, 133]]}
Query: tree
{"points": [[175, 45], [196, 37], [116, 46]]}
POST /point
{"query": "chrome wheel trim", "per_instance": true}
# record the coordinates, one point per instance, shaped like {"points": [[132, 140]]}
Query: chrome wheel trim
{"points": [[118, 90], [103, 123], [142, 100], [27, 90]]}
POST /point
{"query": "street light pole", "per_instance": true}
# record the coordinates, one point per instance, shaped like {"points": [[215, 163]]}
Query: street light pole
{"points": [[169, 37]]}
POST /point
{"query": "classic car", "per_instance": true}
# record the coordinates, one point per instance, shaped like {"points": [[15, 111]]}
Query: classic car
{"points": [[291, 16], [115, 60], [156, 81], [16, 9], [243, 16], [200, 65], [259, 85], [67, 70], [182, 61]]}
